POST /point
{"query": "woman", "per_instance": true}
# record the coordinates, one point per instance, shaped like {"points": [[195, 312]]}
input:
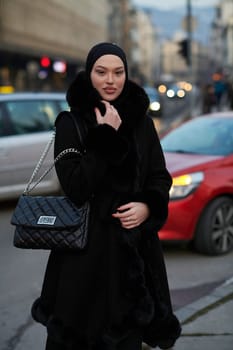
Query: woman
{"points": [[114, 294]]}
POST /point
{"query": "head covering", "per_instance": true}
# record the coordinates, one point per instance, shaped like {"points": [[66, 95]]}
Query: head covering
{"points": [[102, 49]]}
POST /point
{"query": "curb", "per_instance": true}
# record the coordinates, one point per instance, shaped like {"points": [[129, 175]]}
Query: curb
{"points": [[218, 296]]}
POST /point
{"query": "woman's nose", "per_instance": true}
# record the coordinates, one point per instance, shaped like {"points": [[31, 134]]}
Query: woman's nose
{"points": [[109, 78]]}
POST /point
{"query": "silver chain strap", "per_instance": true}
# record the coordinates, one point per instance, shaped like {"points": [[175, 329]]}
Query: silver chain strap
{"points": [[29, 186]]}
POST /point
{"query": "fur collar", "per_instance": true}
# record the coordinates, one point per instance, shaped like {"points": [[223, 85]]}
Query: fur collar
{"points": [[132, 106]]}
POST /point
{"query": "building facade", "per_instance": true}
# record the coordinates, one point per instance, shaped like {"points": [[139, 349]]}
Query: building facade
{"points": [[133, 30], [43, 44], [222, 37], [146, 53], [55, 30]]}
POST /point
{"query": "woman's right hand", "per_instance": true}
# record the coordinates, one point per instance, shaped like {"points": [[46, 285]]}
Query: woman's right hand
{"points": [[111, 116]]}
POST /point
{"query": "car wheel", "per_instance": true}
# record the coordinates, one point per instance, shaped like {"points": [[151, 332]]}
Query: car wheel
{"points": [[214, 234]]}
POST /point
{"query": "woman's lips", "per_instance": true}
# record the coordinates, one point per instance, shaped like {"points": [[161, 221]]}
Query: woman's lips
{"points": [[109, 91]]}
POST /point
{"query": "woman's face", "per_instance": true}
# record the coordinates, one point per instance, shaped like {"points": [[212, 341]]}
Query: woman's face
{"points": [[108, 77]]}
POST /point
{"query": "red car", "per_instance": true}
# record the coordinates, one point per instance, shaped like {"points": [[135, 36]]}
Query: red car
{"points": [[199, 156]]}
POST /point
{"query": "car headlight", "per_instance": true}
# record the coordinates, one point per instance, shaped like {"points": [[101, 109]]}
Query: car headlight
{"points": [[170, 93], [183, 185], [180, 93], [155, 106]]}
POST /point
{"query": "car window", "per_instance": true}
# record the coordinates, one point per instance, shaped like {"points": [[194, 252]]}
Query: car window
{"points": [[31, 116], [201, 136], [1, 121], [5, 125]]}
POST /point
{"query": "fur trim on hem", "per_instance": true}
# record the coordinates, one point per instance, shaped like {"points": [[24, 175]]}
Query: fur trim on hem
{"points": [[38, 314], [57, 331], [142, 307], [163, 332]]}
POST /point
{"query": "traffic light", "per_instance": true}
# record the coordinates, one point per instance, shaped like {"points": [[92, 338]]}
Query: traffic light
{"points": [[184, 50]]}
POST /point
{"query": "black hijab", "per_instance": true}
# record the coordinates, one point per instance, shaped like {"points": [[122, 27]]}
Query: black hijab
{"points": [[102, 49], [94, 54]]}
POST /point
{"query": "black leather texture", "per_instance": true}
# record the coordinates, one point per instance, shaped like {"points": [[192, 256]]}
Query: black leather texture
{"points": [[50, 222]]}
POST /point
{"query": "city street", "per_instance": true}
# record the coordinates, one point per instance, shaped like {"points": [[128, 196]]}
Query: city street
{"points": [[191, 276], [60, 56]]}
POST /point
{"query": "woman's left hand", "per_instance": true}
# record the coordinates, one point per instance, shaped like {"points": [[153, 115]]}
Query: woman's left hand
{"points": [[132, 214]]}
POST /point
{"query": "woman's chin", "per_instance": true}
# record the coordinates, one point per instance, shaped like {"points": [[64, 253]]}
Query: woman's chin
{"points": [[109, 98]]}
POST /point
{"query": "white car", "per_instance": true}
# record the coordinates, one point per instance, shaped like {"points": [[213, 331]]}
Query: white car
{"points": [[26, 125]]}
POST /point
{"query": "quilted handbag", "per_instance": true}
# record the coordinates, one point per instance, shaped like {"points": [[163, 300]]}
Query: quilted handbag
{"points": [[50, 222]]}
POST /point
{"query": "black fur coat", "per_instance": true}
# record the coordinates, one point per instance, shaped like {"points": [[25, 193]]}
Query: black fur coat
{"points": [[119, 282]]}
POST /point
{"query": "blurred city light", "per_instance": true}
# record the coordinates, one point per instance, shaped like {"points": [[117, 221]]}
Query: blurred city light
{"points": [[45, 62], [42, 74], [162, 89], [7, 89], [59, 66]]}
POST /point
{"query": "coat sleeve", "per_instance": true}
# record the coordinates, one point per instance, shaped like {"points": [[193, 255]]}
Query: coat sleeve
{"points": [[81, 175], [157, 180]]}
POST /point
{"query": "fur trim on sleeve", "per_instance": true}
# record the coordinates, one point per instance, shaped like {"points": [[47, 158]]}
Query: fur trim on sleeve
{"points": [[158, 205]]}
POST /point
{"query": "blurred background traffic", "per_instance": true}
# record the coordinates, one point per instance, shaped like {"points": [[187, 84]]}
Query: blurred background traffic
{"points": [[187, 48]]}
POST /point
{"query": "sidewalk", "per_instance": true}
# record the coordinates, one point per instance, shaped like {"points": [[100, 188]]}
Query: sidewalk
{"points": [[208, 322]]}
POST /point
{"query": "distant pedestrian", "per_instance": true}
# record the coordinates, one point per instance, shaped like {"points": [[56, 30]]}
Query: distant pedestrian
{"points": [[208, 98], [230, 94], [219, 91]]}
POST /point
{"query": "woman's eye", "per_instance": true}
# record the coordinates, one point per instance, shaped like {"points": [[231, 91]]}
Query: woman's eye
{"points": [[119, 72], [100, 72]]}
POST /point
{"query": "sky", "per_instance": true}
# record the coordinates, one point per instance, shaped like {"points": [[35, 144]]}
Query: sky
{"points": [[169, 4]]}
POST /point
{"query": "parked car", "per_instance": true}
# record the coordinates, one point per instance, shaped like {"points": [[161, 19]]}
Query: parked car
{"points": [[155, 108], [26, 125], [199, 156]]}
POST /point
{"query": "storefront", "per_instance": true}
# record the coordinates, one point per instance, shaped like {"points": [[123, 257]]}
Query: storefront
{"points": [[21, 72]]}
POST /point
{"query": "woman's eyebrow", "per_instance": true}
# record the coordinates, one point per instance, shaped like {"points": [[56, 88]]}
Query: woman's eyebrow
{"points": [[104, 67]]}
